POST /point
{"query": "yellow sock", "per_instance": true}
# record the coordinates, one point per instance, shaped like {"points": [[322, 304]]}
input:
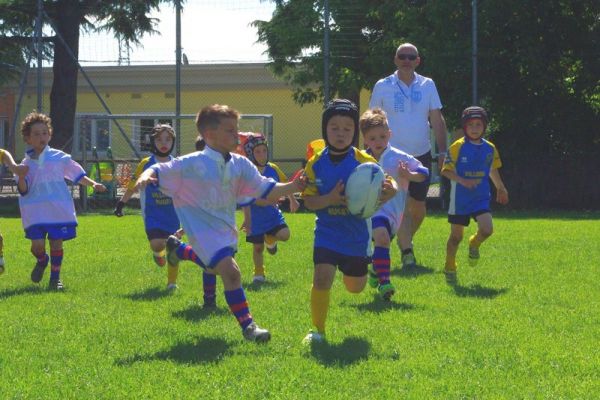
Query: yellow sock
{"points": [[162, 253], [450, 263], [259, 270], [172, 272], [319, 305], [473, 242], [270, 240]]}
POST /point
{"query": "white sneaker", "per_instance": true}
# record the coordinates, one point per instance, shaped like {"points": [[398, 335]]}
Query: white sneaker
{"points": [[313, 337], [258, 279], [172, 286], [254, 333]]}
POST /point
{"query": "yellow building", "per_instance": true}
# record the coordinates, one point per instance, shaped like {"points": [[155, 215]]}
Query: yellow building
{"points": [[147, 92]]}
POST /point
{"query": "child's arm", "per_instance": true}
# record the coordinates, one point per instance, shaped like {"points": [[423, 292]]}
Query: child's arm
{"points": [[246, 227], [286, 189], [334, 198], [389, 188], [146, 178], [19, 170], [406, 173], [118, 211], [98, 187], [468, 183], [501, 192], [294, 205]]}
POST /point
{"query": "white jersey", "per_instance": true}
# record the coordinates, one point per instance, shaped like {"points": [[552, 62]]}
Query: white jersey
{"points": [[206, 189], [390, 159], [407, 109]]}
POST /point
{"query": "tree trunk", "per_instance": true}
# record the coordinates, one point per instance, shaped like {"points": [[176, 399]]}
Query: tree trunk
{"points": [[63, 96]]}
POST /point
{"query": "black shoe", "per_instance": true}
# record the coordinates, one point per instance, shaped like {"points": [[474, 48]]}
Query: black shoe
{"points": [[55, 284], [172, 245], [38, 272], [272, 249], [210, 303]]}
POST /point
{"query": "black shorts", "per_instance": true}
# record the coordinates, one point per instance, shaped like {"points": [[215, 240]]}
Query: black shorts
{"points": [[261, 237], [465, 219], [157, 234], [349, 265], [418, 190]]}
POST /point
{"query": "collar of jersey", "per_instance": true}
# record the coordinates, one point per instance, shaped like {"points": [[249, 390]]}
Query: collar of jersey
{"points": [[215, 155]]}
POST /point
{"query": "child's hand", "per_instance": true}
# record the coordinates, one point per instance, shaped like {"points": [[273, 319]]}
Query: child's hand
{"points": [[403, 170], [143, 181], [502, 195], [336, 196], [388, 190], [118, 211], [20, 170], [294, 205], [98, 187], [245, 227], [300, 181], [469, 183]]}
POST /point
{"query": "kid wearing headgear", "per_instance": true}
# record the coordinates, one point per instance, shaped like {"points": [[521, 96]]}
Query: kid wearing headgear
{"points": [[341, 239], [263, 221], [469, 162]]}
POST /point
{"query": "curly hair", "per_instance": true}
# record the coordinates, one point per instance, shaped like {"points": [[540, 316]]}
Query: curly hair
{"points": [[35, 118]]}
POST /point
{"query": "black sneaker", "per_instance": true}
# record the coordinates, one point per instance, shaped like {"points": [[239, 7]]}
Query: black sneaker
{"points": [[210, 303], [272, 249], [55, 284], [38, 272], [172, 244]]}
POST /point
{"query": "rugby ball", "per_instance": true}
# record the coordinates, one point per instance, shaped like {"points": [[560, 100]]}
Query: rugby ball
{"points": [[363, 189]]}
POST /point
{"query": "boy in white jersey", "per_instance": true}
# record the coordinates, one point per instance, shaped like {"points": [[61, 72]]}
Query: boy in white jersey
{"points": [[404, 168], [19, 170], [45, 202], [206, 187]]}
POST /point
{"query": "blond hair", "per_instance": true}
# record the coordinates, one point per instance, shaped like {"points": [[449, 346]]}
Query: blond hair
{"points": [[372, 119], [33, 118], [210, 116]]}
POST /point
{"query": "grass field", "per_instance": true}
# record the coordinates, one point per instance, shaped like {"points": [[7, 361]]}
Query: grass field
{"points": [[524, 323]]}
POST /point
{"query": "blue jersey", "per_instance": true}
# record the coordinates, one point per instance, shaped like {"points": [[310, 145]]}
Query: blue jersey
{"points": [[157, 208], [471, 161], [336, 229], [265, 218]]}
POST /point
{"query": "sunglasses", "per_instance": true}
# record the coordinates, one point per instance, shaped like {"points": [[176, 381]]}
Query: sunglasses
{"points": [[410, 57]]}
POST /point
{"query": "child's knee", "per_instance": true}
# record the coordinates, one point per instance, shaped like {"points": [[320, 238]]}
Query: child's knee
{"points": [[486, 231], [355, 284], [258, 248], [158, 244], [455, 239], [283, 235]]}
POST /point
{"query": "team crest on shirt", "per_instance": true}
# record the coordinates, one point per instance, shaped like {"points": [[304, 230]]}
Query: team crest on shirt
{"points": [[416, 96], [464, 159]]}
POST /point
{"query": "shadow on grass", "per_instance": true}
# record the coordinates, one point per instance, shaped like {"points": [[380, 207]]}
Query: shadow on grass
{"points": [[477, 291], [197, 313], [37, 289], [351, 351], [204, 350], [149, 294], [260, 286], [378, 305], [413, 272]]}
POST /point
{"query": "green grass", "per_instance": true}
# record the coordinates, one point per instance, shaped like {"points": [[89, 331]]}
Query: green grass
{"points": [[523, 324]]}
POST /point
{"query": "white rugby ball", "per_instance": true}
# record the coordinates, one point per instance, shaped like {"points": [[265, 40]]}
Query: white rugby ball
{"points": [[363, 189]]}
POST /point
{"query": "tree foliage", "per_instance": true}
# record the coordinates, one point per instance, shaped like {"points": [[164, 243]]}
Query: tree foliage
{"points": [[127, 18], [539, 65]]}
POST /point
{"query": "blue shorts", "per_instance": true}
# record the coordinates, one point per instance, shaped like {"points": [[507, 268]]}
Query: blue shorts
{"points": [[54, 232], [157, 234], [218, 256], [382, 222], [349, 265], [419, 190], [464, 219]]}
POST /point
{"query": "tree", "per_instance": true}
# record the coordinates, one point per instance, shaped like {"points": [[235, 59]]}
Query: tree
{"points": [[127, 18], [538, 75]]}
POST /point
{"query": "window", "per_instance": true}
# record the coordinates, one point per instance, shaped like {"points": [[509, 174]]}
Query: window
{"points": [[94, 133]]}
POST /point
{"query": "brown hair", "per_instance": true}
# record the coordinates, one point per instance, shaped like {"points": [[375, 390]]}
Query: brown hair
{"points": [[372, 119], [33, 118], [158, 128], [211, 116]]}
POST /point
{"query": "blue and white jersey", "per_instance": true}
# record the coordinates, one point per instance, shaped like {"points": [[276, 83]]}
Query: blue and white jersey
{"points": [[265, 218], [471, 161]]}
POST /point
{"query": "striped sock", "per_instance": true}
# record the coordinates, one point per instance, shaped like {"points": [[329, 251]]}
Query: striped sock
{"points": [[56, 258], [319, 305], [209, 285], [236, 299], [185, 252], [381, 264]]}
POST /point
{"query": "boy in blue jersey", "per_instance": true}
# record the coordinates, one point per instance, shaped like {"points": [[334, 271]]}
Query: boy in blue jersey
{"points": [[404, 168], [263, 221], [469, 162], [160, 218], [341, 239]]}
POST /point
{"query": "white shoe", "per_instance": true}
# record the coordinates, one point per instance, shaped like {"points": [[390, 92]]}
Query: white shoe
{"points": [[172, 286], [258, 279], [254, 333], [313, 337]]}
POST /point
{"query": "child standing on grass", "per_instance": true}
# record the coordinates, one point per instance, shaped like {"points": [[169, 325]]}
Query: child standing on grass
{"points": [[19, 170], [263, 221], [341, 239], [404, 168], [46, 205], [469, 162], [205, 187]]}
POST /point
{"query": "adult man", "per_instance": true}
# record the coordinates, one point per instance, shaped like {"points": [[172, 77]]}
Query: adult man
{"points": [[412, 105]]}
